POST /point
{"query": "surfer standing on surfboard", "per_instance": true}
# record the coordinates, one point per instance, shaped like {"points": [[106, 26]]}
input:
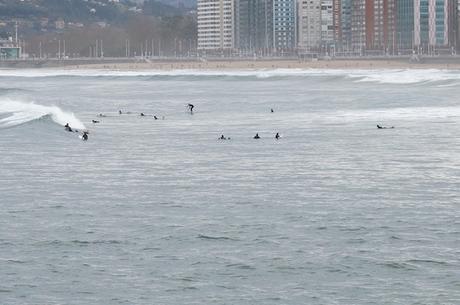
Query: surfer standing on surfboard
{"points": [[190, 107]]}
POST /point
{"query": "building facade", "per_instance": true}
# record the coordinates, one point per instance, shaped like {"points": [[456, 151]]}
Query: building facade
{"points": [[380, 24], [309, 23], [284, 25], [254, 25], [434, 23], [327, 22], [358, 25], [345, 24], [215, 20], [337, 19], [373, 25], [405, 24]]}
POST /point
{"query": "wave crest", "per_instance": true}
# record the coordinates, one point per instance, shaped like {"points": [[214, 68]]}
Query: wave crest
{"points": [[383, 76], [14, 113]]}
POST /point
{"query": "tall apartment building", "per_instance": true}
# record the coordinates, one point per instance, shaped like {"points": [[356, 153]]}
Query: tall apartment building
{"points": [[453, 23], [337, 19], [434, 23], [358, 24], [254, 24], [380, 24], [309, 22], [345, 23], [405, 24], [327, 22], [457, 37], [215, 24], [284, 24], [373, 24], [319, 23]]}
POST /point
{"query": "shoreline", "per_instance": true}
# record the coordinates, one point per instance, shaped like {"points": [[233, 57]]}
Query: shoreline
{"points": [[229, 64], [265, 65]]}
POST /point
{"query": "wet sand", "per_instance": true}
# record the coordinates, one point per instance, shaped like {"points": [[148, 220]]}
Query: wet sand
{"points": [[273, 64]]}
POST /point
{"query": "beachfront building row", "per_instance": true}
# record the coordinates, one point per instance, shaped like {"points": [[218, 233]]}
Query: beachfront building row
{"points": [[390, 26], [247, 25]]}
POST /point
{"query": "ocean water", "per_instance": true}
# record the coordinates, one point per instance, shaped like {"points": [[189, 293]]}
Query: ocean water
{"points": [[161, 212]]}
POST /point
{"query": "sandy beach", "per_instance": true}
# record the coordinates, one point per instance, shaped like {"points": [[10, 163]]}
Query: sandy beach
{"points": [[272, 64]]}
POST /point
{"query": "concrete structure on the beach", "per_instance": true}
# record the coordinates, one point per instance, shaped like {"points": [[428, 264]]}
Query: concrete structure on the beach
{"points": [[215, 25]]}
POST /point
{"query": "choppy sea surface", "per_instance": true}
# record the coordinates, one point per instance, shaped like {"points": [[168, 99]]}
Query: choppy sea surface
{"points": [[161, 212]]}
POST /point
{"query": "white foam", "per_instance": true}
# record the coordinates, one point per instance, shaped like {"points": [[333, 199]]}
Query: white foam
{"points": [[15, 113], [408, 76], [384, 76]]}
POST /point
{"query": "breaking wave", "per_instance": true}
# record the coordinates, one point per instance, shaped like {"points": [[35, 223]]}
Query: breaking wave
{"points": [[383, 76], [14, 113]]}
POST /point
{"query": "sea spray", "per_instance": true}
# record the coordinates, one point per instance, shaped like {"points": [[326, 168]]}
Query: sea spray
{"points": [[13, 113]]}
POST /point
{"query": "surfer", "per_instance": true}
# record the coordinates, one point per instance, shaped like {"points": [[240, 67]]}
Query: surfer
{"points": [[142, 114], [271, 110], [120, 112], [84, 137], [383, 127], [222, 137], [95, 122], [67, 127], [190, 107], [101, 115], [256, 136], [277, 136], [155, 117]]}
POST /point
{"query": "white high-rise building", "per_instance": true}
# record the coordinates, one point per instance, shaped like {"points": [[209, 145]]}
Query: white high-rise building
{"points": [[215, 24], [316, 23], [327, 22], [309, 12]]}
